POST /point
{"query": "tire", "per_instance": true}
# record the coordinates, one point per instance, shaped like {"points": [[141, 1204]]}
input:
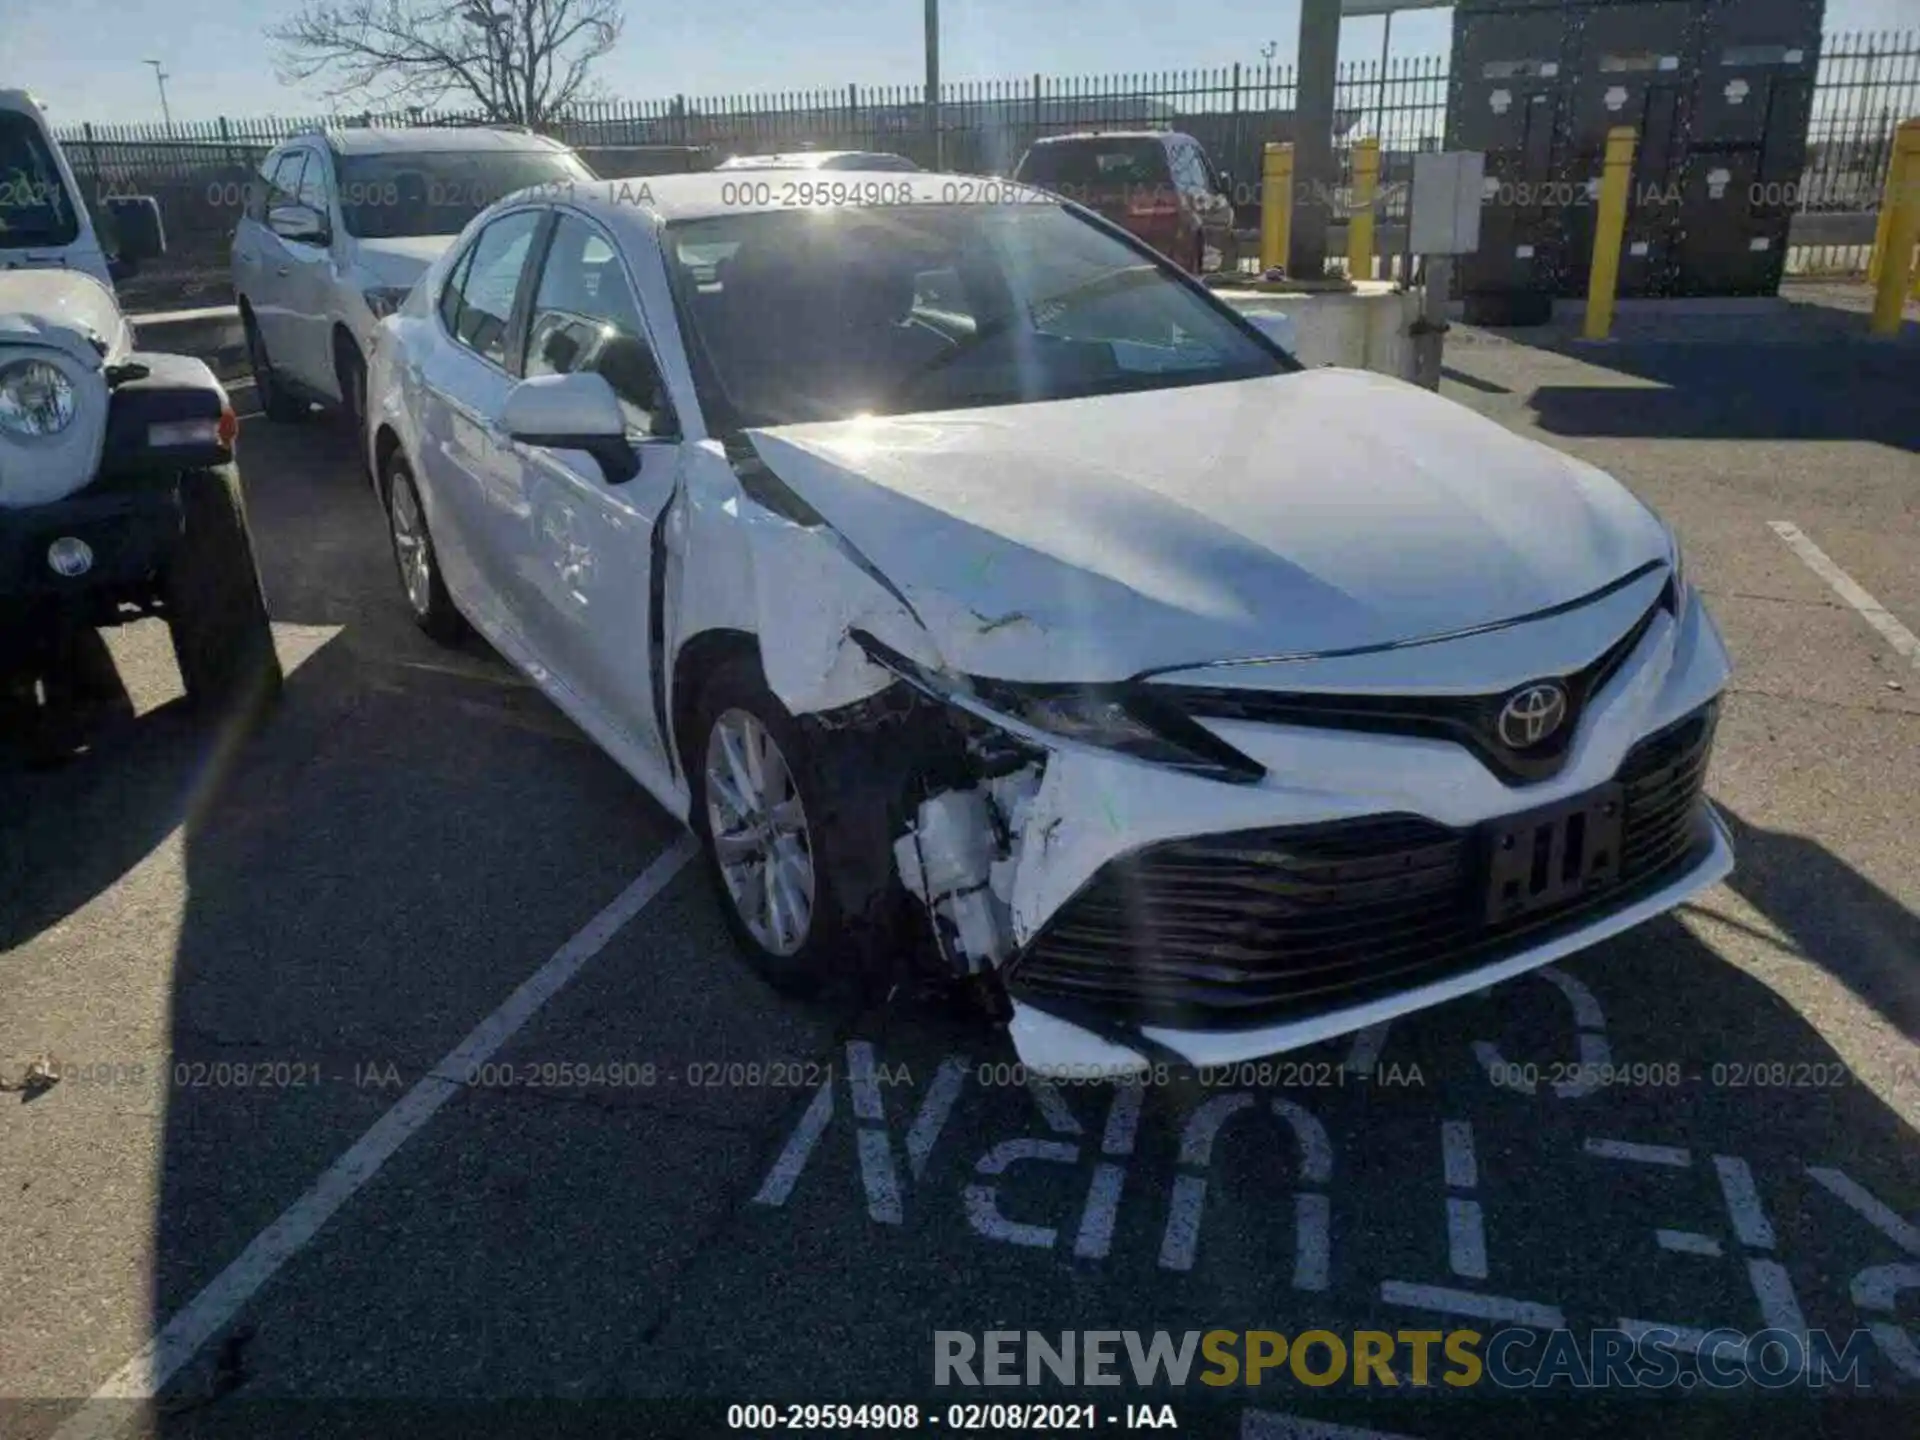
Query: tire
{"points": [[352, 375], [275, 402], [222, 637], [827, 952], [415, 562]]}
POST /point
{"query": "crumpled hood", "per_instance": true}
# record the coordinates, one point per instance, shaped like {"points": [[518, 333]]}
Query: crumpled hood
{"points": [[1324, 510], [64, 309], [402, 260]]}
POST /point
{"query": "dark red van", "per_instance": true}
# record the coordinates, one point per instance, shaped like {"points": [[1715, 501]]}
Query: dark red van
{"points": [[1158, 184]]}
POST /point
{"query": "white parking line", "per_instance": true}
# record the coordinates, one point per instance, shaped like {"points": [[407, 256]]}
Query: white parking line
{"points": [[1633, 1150], [213, 1308], [1871, 610], [1472, 1304]]}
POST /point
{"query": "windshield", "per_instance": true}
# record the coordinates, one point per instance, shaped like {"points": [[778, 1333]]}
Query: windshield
{"points": [[35, 208], [1079, 168], [818, 316], [387, 197]]}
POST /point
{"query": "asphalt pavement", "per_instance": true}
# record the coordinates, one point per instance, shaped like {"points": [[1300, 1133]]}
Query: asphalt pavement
{"points": [[265, 968]]}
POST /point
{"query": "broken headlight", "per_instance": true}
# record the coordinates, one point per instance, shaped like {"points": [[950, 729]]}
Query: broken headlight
{"points": [[1116, 718], [1111, 717]]}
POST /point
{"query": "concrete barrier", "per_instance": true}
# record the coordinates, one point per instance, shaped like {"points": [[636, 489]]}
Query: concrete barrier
{"points": [[1364, 329], [213, 334]]}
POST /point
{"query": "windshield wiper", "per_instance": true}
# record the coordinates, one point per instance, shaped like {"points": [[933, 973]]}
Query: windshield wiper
{"points": [[1106, 282]]}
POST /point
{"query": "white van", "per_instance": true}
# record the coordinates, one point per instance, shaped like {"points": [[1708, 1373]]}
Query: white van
{"points": [[45, 223]]}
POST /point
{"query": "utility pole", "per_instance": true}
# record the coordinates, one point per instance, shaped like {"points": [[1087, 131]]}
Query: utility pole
{"points": [[1313, 172], [160, 78], [933, 83]]}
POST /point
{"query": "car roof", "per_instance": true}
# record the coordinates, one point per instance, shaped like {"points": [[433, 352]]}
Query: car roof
{"points": [[434, 139], [801, 159], [1084, 137], [656, 199], [22, 101]]}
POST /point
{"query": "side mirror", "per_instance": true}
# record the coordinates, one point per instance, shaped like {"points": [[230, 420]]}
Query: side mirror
{"points": [[1278, 328], [573, 412], [300, 223], [628, 365], [138, 229]]}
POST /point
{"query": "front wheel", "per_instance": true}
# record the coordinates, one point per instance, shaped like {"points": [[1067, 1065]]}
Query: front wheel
{"points": [[351, 372], [216, 610], [278, 406], [777, 840]]}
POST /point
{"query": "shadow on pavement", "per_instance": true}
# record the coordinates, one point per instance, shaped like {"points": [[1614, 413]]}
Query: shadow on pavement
{"points": [[1835, 916], [1739, 390]]}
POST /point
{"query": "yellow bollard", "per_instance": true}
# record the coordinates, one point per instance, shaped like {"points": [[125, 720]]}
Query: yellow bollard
{"points": [[1885, 217], [1366, 178], [1900, 222], [1276, 205], [1609, 227]]}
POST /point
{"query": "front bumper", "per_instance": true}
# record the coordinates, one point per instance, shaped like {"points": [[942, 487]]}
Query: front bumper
{"points": [[1160, 917], [130, 530], [1050, 1045]]}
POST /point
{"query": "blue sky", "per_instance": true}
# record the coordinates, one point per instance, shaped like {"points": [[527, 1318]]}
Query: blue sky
{"points": [[83, 57]]}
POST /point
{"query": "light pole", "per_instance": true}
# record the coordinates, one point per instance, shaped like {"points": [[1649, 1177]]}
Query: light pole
{"points": [[933, 82], [160, 78]]}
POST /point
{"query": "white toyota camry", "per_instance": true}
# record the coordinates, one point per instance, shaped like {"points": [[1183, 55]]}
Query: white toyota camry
{"points": [[979, 587]]}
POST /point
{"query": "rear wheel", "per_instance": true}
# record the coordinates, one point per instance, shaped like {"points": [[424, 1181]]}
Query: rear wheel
{"points": [[416, 559], [274, 400], [222, 637]]}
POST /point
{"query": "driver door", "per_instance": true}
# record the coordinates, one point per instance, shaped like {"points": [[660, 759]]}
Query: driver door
{"points": [[267, 265], [586, 548]]}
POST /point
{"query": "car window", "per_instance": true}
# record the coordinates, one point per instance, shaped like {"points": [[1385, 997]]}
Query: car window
{"points": [[35, 208], [1187, 173], [585, 319], [409, 193], [1096, 167], [450, 295], [313, 184], [821, 316], [489, 283], [260, 189], [1210, 171], [285, 189]]}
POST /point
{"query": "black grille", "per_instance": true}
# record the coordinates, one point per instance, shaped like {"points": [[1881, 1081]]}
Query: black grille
{"points": [[1268, 925], [1469, 720]]}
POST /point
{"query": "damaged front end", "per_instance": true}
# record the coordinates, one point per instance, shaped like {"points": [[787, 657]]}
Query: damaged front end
{"points": [[988, 847]]}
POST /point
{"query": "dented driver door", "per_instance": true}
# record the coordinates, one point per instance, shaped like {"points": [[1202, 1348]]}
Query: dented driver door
{"points": [[588, 563]]}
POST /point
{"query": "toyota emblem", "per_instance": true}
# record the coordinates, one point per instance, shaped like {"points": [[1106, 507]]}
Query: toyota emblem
{"points": [[1531, 715]]}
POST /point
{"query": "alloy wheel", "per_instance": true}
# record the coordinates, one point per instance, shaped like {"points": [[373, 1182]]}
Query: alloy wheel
{"points": [[759, 828], [410, 545]]}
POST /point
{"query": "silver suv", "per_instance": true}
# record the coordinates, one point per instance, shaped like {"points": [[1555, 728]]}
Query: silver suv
{"points": [[338, 226]]}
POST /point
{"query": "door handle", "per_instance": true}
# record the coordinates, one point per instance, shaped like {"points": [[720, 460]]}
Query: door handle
{"points": [[284, 270]]}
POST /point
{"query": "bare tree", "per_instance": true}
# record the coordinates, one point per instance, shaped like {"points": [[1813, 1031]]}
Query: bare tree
{"points": [[516, 61]]}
